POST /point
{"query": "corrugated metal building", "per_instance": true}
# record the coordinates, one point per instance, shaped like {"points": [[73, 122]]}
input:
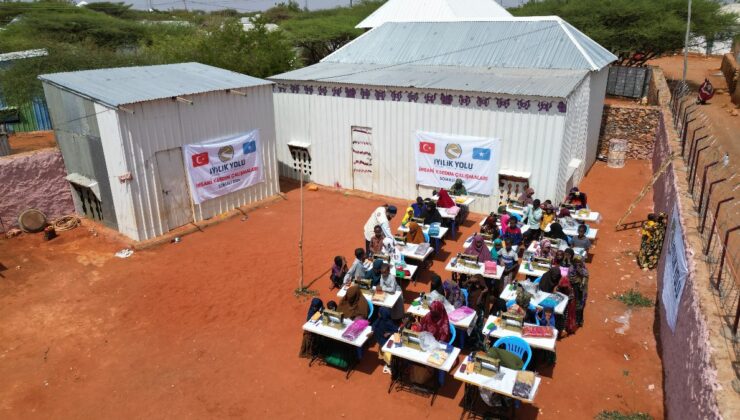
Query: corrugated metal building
{"points": [[34, 115], [538, 84], [433, 11], [121, 130]]}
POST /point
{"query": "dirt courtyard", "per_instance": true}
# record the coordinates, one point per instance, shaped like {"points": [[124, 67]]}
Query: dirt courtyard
{"points": [[209, 327]]}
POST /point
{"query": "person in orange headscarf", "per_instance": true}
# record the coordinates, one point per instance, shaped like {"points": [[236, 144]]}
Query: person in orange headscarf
{"points": [[415, 235]]}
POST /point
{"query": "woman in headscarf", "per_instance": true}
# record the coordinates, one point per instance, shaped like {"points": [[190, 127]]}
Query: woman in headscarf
{"points": [[544, 249], [458, 188], [431, 214], [415, 235], [498, 244], [354, 305], [550, 279], [577, 199], [383, 328], [407, 216], [578, 277], [490, 227], [437, 323], [418, 207], [437, 293], [556, 232], [374, 273], [527, 197], [505, 222], [444, 200], [569, 315], [478, 248], [548, 215], [310, 343], [453, 294]]}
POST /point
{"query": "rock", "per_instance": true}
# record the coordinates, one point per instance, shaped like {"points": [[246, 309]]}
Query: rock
{"points": [[734, 113]]}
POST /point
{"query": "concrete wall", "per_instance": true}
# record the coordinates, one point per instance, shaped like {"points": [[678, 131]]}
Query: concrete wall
{"points": [[33, 180], [636, 124]]}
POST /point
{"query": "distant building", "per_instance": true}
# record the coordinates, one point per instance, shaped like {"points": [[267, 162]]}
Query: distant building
{"points": [[538, 84], [433, 11], [122, 131]]}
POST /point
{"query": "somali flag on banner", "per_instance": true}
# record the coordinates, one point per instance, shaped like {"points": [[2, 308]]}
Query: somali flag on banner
{"points": [[480, 153]]}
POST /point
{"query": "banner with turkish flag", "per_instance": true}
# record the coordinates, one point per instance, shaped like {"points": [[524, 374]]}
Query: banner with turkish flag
{"points": [[219, 167], [443, 158]]}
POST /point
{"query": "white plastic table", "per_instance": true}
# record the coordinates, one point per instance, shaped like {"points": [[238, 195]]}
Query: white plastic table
{"points": [[590, 234], [335, 334], [442, 231], [466, 324], [540, 343], [410, 267], [591, 216], [422, 358], [510, 293], [389, 300], [466, 199], [503, 385], [460, 269], [408, 251]]}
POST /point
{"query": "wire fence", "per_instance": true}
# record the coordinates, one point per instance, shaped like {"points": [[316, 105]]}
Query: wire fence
{"points": [[714, 188]]}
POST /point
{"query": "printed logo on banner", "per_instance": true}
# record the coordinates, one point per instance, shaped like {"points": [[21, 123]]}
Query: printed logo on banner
{"points": [[226, 153], [453, 151], [426, 147], [200, 159], [480, 153], [249, 147]]}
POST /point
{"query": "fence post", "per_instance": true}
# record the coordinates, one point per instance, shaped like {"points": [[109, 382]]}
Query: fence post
{"points": [[693, 139], [714, 224], [722, 263], [704, 182], [706, 209], [692, 169]]}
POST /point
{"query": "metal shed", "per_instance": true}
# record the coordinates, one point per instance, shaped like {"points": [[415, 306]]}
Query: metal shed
{"points": [[121, 132], [538, 84]]}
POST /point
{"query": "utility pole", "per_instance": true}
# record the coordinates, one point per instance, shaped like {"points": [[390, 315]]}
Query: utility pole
{"points": [[686, 44], [185, 2]]}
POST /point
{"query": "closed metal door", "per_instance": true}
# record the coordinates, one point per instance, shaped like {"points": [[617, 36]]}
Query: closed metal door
{"points": [[362, 159], [174, 188]]}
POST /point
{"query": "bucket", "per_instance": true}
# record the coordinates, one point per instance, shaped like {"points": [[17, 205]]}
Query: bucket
{"points": [[617, 153]]}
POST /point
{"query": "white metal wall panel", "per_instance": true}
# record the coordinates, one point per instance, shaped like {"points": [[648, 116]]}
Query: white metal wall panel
{"points": [[574, 140], [166, 124], [595, 112], [531, 141]]}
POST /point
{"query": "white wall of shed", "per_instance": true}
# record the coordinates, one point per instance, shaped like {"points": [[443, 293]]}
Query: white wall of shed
{"points": [[166, 124], [115, 162], [595, 112], [575, 138], [531, 141]]}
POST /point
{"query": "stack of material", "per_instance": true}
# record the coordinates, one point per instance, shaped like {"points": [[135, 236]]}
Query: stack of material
{"points": [[635, 124]]}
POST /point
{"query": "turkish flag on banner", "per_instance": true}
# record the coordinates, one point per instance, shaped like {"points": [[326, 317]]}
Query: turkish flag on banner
{"points": [[426, 147], [200, 159]]}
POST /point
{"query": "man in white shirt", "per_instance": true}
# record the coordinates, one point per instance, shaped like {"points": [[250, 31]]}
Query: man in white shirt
{"points": [[533, 214], [380, 217]]}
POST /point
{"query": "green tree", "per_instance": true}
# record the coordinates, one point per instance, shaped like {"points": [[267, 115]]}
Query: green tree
{"points": [[638, 30]]}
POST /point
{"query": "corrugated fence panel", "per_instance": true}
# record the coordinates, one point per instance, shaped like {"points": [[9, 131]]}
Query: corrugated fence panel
{"points": [[531, 141], [34, 117], [630, 82]]}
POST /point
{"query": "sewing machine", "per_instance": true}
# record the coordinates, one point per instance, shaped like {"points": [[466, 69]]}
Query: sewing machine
{"points": [[399, 239], [485, 365], [410, 338], [467, 260], [418, 220], [568, 206], [539, 263], [384, 257], [333, 319], [515, 205], [557, 243], [365, 284], [512, 322], [487, 237]]}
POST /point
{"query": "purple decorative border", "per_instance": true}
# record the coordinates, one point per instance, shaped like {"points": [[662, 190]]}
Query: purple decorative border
{"points": [[447, 98]]}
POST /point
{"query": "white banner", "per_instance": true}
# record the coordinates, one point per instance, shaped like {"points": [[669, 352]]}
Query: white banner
{"points": [[224, 166], [675, 270], [442, 158]]}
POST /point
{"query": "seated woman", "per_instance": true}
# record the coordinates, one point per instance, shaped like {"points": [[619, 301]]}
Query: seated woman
{"points": [[431, 214], [453, 294], [310, 343], [521, 305], [437, 293], [415, 235], [407, 216], [383, 329], [338, 272], [569, 323], [556, 232], [444, 200], [479, 249], [437, 323], [458, 188], [418, 207], [548, 215], [550, 279], [353, 304], [544, 249], [498, 245], [577, 199], [490, 226]]}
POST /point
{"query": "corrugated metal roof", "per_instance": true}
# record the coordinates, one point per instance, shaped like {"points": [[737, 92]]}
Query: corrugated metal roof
{"points": [[127, 85], [541, 42], [17, 55], [531, 82], [433, 11]]}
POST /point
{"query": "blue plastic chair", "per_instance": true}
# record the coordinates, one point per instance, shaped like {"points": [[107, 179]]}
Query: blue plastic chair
{"points": [[453, 333], [537, 280], [517, 346], [465, 293], [371, 306]]}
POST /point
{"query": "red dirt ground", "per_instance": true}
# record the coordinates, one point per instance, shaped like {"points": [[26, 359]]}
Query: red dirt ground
{"points": [[27, 142], [209, 327]]}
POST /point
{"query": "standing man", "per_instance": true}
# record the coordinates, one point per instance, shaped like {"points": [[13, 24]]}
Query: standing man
{"points": [[533, 213], [380, 217]]}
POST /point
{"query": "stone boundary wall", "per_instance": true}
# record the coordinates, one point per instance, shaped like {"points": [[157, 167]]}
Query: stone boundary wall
{"points": [[731, 70], [634, 123], [697, 371], [33, 180]]}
